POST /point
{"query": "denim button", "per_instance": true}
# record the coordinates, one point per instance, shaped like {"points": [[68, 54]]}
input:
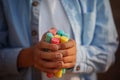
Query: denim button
{"points": [[35, 3], [34, 33], [78, 68]]}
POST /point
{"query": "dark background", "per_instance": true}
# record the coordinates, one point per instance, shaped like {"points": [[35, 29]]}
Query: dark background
{"points": [[114, 72]]}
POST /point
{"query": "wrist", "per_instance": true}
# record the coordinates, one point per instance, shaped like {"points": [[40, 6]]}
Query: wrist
{"points": [[25, 58]]}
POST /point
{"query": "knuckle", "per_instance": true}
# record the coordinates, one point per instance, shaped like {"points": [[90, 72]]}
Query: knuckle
{"points": [[54, 47], [66, 53], [64, 60]]}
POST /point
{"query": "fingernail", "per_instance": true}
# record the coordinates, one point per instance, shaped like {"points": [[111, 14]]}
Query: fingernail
{"points": [[59, 56], [59, 64]]}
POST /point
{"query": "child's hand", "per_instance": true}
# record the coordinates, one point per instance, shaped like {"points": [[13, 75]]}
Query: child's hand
{"points": [[68, 51], [59, 56], [48, 62]]}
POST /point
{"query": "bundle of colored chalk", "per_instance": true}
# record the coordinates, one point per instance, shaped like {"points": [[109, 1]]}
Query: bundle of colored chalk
{"points": [[55, 36]]}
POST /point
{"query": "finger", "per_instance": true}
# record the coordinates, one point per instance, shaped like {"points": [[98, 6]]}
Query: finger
{"points": [[47, 64], [69, 59], [43, 37], [67, 45], [45, 45], [68, 65], [46, 70], [68, 52], [51, 56]]}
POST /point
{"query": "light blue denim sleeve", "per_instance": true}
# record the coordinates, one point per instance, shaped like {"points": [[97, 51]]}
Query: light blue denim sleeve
{"points": [[8, 56], [97, 52]]}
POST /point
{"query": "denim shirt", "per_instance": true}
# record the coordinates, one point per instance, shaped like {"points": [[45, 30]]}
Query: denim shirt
{"points": [[93, 29]]}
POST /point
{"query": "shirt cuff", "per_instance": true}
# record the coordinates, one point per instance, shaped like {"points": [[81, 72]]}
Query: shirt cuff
{"points": [[81, 65], [10, 57], [82, 68]]}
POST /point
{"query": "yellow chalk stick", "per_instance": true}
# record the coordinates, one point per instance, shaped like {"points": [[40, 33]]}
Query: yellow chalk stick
{"points": [[59, 74], [64, 39], [57, 36]]}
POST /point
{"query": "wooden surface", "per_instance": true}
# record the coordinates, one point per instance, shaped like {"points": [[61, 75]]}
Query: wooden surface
{"points": [[114, 72]]}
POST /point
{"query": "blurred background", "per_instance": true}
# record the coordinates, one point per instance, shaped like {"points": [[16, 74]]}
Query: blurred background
{"points": [[114, 72]]}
